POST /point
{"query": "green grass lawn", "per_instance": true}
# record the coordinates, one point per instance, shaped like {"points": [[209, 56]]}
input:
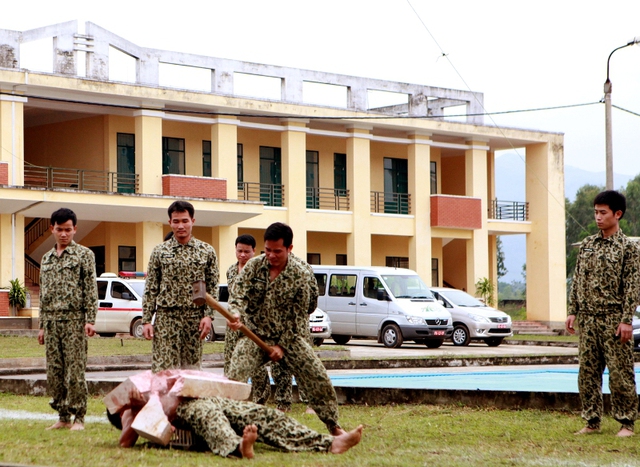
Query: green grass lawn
{"points": [[396, 435]]}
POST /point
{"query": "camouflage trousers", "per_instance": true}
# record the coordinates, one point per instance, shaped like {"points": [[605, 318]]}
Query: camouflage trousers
{"points": [[600, 348], [260, 381], [66, 351], [221, 423], [300, 359], [176, 340]]}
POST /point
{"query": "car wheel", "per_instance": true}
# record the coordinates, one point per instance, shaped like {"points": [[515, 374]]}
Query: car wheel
{"points": [[137, 328], [318, 341], [494, 341], [434, 343], [460, 335], [392, 336], [211, 337], [107, 334], [339, 339]]}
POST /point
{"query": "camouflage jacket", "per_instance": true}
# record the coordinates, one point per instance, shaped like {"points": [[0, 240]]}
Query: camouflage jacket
{"points": [[277, 310], [173, 268], [232, 275], [68, 287], [607, 277]]}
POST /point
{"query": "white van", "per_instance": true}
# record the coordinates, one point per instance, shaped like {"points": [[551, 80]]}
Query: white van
{"points": [[388, 304], [119, 304]]}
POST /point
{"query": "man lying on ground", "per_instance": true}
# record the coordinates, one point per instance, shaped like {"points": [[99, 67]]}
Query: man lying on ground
{"points": [[228, 427]]}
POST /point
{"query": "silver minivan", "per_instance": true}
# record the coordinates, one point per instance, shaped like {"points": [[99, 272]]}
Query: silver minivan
{"points": [[391, 305]]}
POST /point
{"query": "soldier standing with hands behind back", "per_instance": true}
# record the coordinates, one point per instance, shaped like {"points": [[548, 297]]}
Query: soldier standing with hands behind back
{"points": [[68, 308], [604, 295], [180, 325]]}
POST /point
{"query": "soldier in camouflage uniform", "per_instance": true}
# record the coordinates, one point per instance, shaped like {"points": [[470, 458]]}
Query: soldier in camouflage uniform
{"points": [[180, 326], [230, 427], [68, 308], [604, 295], [273, 296]]}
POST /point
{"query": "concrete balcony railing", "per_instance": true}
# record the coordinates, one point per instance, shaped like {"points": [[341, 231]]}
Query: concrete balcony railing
{"points": [[332, 199], [457, 212], [509, 210], [80, 179], [390, 202]]}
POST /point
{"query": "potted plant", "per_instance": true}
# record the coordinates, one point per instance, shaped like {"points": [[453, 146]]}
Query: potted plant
{"points": [[17, 295]]}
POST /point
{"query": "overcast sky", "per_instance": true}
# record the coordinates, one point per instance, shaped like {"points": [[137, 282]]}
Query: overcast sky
{"points": [[521, 55]]}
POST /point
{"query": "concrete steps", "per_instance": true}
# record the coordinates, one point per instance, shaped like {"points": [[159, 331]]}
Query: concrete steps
{"points": [[533, 328]]}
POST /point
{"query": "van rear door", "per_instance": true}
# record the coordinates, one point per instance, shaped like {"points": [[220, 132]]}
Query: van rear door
{"points": [[370, 311]]}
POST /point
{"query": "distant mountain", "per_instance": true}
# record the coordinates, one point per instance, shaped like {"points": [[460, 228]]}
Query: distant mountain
{"points": [[510, 186]]}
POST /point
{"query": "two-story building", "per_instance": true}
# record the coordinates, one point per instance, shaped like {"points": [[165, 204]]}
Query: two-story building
{"points": [[399, 185]]}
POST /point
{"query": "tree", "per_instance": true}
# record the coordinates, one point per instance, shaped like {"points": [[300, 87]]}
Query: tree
{"points": [[485, 288], [502, 269]]}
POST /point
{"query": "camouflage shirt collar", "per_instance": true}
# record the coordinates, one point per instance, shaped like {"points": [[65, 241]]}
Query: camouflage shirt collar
{"points": [[174, 243], [617, 236], [71, 249]]}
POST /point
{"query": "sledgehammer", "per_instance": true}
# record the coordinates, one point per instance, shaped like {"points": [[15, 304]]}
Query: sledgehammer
{"points": [[200, 297]]}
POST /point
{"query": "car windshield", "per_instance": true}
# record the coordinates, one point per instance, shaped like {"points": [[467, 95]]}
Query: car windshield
{"points": [[407, 286], [460, 298]]}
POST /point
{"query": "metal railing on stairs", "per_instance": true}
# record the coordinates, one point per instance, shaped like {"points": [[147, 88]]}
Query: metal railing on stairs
{"points": [[31, 269], [35, 230]]}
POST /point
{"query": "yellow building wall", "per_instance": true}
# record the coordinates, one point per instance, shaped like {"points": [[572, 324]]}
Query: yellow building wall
{"points": [[113, 125], [111, 235], [328, 245], [435, 156], [326, 147], [387, 245], [251, 141], [453, 175], [454, 259], [193, 134], [379, 151], [437, 253], [71, 144]]}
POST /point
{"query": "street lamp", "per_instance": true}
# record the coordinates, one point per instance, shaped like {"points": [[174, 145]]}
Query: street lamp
{"points": [[607, 116]]}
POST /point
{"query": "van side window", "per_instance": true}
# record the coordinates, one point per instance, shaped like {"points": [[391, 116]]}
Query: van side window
{"points": [[322, 283], [342, 285], [102, 289], [121, 291], [370, 287], [223, 293]]}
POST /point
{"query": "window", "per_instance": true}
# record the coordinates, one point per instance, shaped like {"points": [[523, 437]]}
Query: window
{"points": [[313, 200], [126, 258], [223, 293], [397, 262], [206, 158], [396, 186], [370, 287], [434, 179], [240, 164], [343, 285], [121, 291], [270, 176], [102, 289], [435, 280], [340, 174], [173, 156], [313, 258], [322, 283], [126, 162], [341, 260]]}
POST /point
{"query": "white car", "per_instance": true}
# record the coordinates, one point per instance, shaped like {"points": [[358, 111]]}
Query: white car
{"points": [[319, 322], [119, 304], [472, 319]]}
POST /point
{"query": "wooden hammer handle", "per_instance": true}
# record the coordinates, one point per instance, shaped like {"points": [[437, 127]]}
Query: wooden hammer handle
{"points": [[213, 303]]}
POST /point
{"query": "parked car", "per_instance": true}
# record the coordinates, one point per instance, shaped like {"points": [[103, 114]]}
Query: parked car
{"points": [[388, 304], [472, 319], [119, 304], [636, 329], [319, 322]]}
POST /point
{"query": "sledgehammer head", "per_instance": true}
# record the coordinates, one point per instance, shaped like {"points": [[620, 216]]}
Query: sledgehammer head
{"points": [[199, 293]]}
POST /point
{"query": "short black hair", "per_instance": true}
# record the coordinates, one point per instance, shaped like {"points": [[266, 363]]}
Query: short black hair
{"points": [[62, 215], [612, 198], [181, 206], [277, 231], [246, 239]]}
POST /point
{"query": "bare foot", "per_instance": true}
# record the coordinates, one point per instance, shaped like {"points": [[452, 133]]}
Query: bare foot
{"points": [[59, 425], [587, 431], [310, 411], [624, 432], [249, 436], [344, 442], [77, 426], [337, 431]]}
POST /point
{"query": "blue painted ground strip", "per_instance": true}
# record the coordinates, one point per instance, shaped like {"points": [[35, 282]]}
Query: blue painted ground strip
{"points": [[552, 380]]}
